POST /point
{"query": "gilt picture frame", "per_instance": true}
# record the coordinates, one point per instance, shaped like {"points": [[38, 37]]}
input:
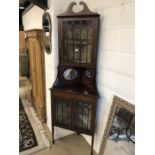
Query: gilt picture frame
{"points": [[117, 103]]}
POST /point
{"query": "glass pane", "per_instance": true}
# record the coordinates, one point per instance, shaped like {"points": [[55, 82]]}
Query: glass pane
{"points": [[84, 54], [86, 41], [65, 31], [76, 53], [70, 52], [77, 37], [68, 41], [63, 108], [77, 33], [70, 34], [89, 53], [83, 113], [84, 33], [90, 32], [66, 52]]}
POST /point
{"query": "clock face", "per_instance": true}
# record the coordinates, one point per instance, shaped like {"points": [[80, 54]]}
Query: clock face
{"points": [[70, 74]]}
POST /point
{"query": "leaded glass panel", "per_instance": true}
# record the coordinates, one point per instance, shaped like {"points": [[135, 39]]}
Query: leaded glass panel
{"points": [[78, 38], [83, 116], [63, 111]]}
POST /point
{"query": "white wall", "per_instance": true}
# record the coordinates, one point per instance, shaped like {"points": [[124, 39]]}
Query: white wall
{"points": [[115, 65], [115, 57]]}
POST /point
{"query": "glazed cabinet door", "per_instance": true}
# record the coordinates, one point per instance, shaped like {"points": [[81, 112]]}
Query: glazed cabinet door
{"points": [[78, 39], [83, 114], [62, 111], [73, 112]]}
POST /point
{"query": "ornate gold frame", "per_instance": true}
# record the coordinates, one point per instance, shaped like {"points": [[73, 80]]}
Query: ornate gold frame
{"points": [[117, 103]]}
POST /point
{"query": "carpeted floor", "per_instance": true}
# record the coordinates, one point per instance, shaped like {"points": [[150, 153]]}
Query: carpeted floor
{"points": [[27, 139]]}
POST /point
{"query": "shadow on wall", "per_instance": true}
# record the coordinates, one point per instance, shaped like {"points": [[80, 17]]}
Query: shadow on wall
{"points": [[100, 109], [101, 99]]}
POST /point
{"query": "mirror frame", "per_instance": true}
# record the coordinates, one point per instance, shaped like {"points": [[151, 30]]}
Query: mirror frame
{"points": [[50, 30], [117, 103], [72, 78]]}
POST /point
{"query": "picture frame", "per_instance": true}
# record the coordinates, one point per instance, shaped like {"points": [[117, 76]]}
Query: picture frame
{"points": [[118, 103]]}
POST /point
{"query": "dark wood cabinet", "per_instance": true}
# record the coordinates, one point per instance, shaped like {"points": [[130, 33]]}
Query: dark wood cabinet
{"points": [[74, 93]]}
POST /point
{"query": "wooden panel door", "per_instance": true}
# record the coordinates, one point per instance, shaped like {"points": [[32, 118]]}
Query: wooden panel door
{"points": [[36, 56]]}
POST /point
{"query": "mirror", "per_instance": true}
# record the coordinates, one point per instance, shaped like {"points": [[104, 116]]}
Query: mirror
{"points": [[119, 135], [70, 74], [46, 23]]}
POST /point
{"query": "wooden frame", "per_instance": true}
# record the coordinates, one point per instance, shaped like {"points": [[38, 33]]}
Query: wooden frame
{"points": [[117, 103]]}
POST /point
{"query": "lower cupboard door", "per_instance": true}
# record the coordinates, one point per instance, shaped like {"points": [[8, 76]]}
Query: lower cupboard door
{"points": [[63, 111], [82, 116]]}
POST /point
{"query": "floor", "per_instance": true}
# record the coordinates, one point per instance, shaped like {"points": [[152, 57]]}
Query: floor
{"points": [[119, 148], [70, 145]]}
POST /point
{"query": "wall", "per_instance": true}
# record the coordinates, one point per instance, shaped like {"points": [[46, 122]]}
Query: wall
{"points": [[115, 64]]}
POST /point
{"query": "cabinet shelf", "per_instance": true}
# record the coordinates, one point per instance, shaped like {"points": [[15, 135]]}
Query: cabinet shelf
{"points": [[79, 89]]}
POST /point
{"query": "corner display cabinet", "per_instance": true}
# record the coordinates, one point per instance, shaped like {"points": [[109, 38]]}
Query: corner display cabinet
{"points": [[74, 93]]}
